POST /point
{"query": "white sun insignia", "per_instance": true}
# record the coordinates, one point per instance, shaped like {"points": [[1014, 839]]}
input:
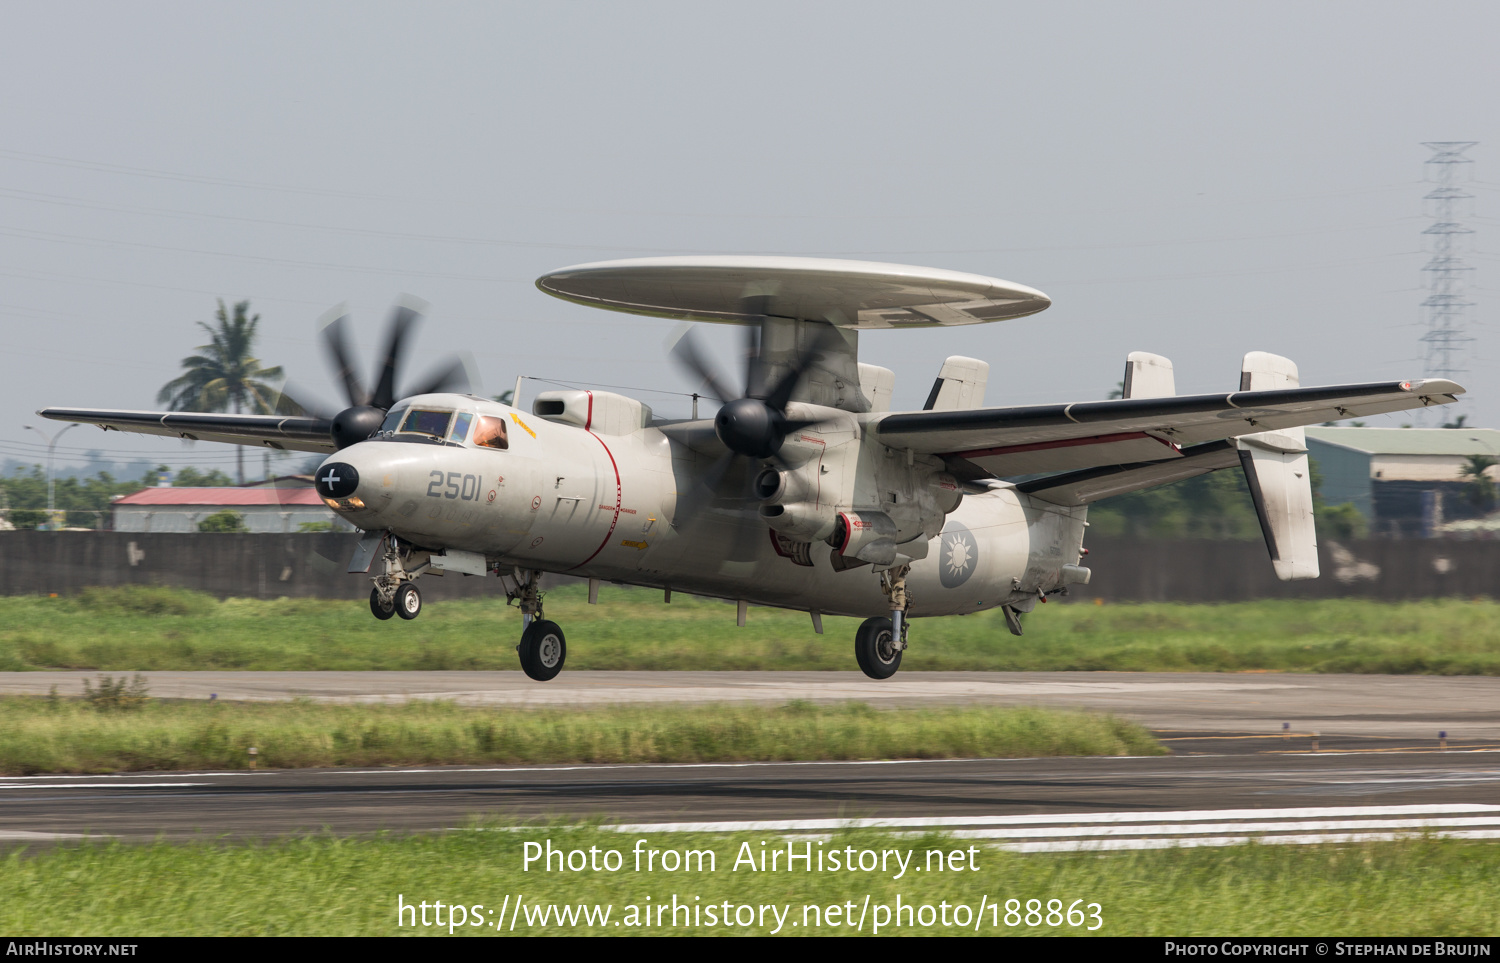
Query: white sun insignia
{"points": [[958, 555]]}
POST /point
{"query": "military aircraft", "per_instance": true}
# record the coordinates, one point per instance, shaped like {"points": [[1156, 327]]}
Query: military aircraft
{"points": [[803, 491]]}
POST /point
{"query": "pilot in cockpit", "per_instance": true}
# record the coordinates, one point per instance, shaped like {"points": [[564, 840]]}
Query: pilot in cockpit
{"points": [[491, 433]]}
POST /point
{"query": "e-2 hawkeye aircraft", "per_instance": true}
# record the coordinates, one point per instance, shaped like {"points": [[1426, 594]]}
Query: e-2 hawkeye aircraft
{"points": [[804, 491]]}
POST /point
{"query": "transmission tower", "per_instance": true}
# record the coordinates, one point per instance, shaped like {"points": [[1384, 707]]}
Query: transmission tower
{"points": [[1446, 275]]}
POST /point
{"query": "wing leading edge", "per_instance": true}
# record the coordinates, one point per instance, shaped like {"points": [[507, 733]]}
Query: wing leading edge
{"points": [[270, 431], [1001, 442]]}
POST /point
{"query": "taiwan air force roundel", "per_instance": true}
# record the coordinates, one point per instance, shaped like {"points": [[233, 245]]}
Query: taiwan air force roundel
{"points": [[958, 557]]}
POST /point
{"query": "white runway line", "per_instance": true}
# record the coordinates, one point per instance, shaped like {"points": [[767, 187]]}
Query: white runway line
{"points": [[1070, 832], [898, 822]]}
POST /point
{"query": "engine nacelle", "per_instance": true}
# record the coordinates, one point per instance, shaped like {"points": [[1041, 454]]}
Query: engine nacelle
{"points": [[792, 505], [867, 536], [802, 521]]}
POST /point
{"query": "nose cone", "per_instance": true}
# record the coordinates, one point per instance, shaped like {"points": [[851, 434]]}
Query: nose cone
{"points": [[336, 479]]}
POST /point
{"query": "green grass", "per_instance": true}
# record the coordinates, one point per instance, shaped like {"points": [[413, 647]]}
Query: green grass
{"points": [[329, 886], [66, 735], [137, 629]]}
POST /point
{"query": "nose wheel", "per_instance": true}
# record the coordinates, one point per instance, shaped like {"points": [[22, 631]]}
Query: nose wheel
{"points": [[381, 607], [408, 601], [543, 650]]}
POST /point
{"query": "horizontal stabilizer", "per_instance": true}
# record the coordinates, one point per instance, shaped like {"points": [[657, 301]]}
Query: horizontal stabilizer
{"points": [[1093, 484]]}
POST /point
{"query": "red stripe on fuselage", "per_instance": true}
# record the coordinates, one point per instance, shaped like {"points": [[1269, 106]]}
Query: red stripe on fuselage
{"points": [[618, 499]]}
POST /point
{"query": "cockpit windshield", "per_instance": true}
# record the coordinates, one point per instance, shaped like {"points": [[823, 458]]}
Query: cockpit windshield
{"points": [[392, 420], [424, 421], [460, 427]]}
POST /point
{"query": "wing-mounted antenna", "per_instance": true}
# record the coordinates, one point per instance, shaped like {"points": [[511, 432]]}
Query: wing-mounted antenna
{"points": [[1148, 375], [959, 386], [1277, 472]]}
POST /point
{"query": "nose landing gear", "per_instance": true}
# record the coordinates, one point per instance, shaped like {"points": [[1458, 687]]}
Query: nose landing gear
{"points": [[394, 593]]}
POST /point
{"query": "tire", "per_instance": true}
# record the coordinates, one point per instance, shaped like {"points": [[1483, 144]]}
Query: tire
{"points": [[378, 608], [408, 601], [543, 650], [875, 649]]}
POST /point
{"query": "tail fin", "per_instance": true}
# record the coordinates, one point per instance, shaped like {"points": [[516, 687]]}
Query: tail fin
{"points": [[1277, 472]]}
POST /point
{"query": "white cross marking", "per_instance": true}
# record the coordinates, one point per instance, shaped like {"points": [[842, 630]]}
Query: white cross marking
{"points": [[330, 479]]}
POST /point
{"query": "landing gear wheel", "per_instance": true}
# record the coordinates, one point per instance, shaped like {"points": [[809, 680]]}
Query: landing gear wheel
{"points": [[381, 609], [542, 650], [876, 648], [408, 601]]}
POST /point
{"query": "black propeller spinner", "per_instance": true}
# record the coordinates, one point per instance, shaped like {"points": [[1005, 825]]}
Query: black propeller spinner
{"points": [[367, 409], [752, 425]]}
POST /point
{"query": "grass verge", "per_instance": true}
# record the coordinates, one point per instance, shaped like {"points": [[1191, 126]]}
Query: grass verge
{"points": [[335, 887], [145, 628], [42, 735]]}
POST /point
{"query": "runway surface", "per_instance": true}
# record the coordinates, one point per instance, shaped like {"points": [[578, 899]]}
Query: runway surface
{"points": [[967, 792], [1376, 764], [1403, 707]]}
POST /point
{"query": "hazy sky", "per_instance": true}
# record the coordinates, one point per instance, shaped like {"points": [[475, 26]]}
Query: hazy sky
{"points": [[1194, 179]]}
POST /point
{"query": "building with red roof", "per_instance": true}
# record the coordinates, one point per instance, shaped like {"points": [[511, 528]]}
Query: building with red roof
{"points": [[264, 508]]}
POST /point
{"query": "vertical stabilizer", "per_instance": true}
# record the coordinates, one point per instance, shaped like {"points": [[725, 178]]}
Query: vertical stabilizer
{"points": [[1277, 473], [959, 385], [1148, 375]]}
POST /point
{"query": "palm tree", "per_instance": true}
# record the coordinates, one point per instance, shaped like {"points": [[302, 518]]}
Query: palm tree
{"points": [[1480, 489], [225, 376]]}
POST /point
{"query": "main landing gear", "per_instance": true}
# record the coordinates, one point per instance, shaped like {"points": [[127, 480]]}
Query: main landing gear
{"points": [[394, 593], [543, 648], [879, 642]]}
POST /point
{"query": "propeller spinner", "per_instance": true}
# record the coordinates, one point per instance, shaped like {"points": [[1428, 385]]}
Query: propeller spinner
{"points": [[753, 425], [367, 408]]}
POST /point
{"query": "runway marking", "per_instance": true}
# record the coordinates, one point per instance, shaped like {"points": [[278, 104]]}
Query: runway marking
{"points": [[1181, 816], [1142, 830], [1326, 825], [24, 835], [1193, 842]]}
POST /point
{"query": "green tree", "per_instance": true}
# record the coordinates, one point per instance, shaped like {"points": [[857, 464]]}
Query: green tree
{"points": [[87, 501], [226, 375], [1480, 491], [225, 521], [192, 478]]}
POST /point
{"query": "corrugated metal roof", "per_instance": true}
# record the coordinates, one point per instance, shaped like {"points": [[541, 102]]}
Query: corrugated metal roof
{"points": [[227, 497], [1457, 442]]}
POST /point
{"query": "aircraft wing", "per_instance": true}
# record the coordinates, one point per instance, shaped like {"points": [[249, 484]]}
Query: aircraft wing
{"points": [[1002, 442], [270, 431]]}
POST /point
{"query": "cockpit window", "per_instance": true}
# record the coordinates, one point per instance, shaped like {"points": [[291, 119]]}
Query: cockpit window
{"points": [[423, 422], [460, 427], [392, 420], [491, 433]]}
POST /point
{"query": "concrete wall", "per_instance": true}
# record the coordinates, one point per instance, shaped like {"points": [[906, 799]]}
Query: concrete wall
{"points": [[1224, 571], [270, 566], [255, 566]]}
